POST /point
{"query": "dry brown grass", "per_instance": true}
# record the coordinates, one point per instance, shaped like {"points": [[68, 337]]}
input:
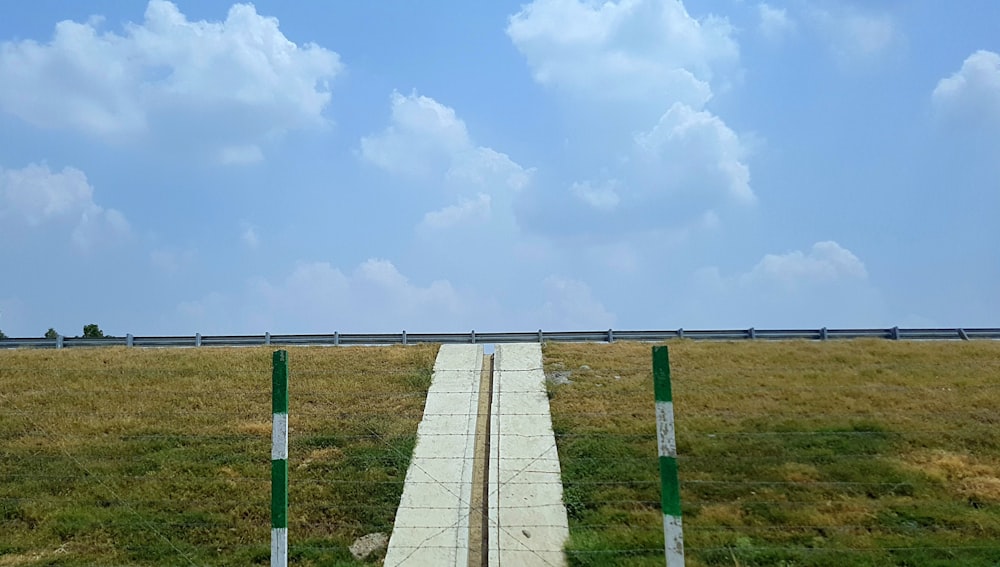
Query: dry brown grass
{"points": [[791, 452], [148, 456]]}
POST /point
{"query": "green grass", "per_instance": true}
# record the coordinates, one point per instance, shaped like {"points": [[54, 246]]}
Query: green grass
{"points": [[859, 453], [162, 457]]}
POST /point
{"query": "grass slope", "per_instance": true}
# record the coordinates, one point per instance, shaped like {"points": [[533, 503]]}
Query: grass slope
{"points": [[162, 457], [860, 453]]}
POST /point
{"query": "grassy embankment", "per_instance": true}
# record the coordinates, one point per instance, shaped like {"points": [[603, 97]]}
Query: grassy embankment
{"points": [[162, 457], [861, 453]]}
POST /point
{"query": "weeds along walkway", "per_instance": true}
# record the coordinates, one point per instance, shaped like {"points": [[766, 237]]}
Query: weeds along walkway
{"points": [[526, 520]]}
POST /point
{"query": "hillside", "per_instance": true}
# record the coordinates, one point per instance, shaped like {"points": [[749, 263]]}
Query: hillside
{"points": [[790, 453], [119, 456]]}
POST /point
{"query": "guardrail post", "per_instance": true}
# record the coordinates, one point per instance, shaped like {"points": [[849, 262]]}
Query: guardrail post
{"points": [[752, 333], [963, 335], [611, 336], [680, 333], [279, 459], [670, 492], [267, 339], [541, 336], [473, 335], [129, 340], [404, 336], [59, 341], [895, 333], [336, 338], [822, 334]]}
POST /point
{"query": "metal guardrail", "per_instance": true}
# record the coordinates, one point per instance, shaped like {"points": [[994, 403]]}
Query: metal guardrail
{"points": [[473, 337]]}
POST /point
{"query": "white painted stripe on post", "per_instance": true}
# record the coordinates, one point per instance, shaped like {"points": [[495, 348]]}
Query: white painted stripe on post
{"points": [[279, 547], [279, 437], [673, 537], [666, 443]]}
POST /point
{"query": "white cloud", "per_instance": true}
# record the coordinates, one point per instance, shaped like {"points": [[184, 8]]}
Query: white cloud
{"points": [[775, 23], [427, 141], [570, 304], [233, 83], [678, 177], [249, 236], [99, 226], [631, 50], [827, 261], [240, 155], [486, 168], [422, 137], [654, 65], [972, 92], [691, 150], [857, 37], [35, 195], [602, 197], [464, 213], [826, 285], [317, 297]]}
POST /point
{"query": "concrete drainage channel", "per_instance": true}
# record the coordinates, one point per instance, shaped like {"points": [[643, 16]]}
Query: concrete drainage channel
{"points": [[483, 487]]}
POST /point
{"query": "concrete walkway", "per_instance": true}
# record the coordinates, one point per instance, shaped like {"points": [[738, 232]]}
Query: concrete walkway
{"points": [[528, 523], [432, 522]]}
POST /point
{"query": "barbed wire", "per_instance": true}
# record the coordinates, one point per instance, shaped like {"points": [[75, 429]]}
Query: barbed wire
{"points": [[780, 481], [849, 461]]}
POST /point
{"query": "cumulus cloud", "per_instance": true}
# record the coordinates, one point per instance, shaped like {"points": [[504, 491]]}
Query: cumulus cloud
{"points": [[425, 138], [486, 168], [249, 235], [99, 226], [775, 23], [234, 83], [855, 36], [426, 141], [696, 151], [317, 297], [678, 176], [570, 304], [682, 160], [35, 195], [827, 285], [466, 212], [602, 197], [827, 261], [629, 50], [240, 155], [972, 92]]}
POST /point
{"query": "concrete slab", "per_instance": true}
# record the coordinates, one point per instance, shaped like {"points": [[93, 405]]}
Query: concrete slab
{"points": [[527, 518], [432, 522]]}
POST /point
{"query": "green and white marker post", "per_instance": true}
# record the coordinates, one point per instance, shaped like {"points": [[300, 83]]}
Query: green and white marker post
{"points": [[670, 491], [279, 460]]}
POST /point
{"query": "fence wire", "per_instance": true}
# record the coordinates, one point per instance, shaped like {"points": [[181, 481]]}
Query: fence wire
{"points": [[162, 457], [791, 453]]}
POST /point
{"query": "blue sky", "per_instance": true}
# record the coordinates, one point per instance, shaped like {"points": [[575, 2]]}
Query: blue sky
{"points": [[444, 166]]}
